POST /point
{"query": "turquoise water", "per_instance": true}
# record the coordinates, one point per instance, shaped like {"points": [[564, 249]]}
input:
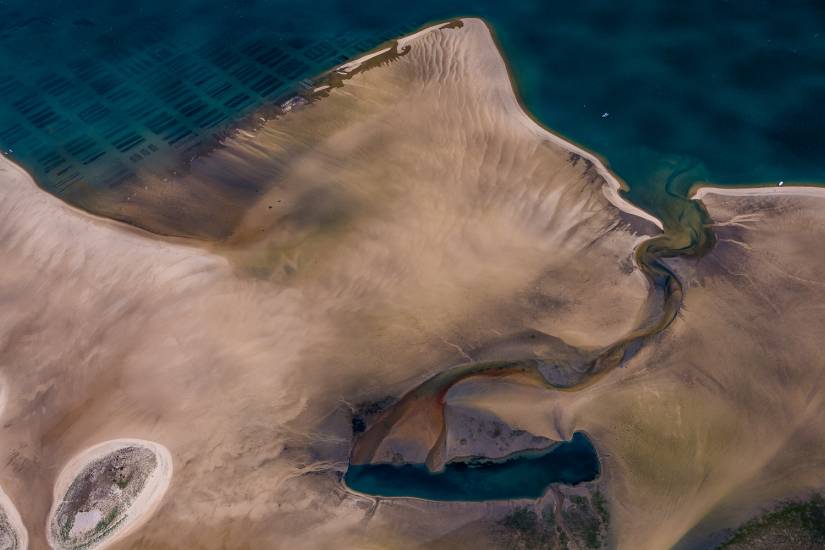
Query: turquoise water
{"points": [[96, 91], [526, 476]]}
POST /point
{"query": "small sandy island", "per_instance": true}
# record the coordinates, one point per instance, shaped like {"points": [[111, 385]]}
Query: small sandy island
{"points": [[413, 219], [13, 534], [107, 491]]}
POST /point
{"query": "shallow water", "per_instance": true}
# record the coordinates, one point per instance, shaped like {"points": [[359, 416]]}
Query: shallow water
{"points": [[96, 91], [525, 476]]}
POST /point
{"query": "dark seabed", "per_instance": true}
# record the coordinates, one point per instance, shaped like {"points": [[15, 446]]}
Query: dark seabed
{"points": [[525, 476], [96, 91]]}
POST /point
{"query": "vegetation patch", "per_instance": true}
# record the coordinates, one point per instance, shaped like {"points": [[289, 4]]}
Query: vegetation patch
{"points": [[525, 529], [580, 523], [98, 499], [583, 521], [796, 525], [364, 412]]}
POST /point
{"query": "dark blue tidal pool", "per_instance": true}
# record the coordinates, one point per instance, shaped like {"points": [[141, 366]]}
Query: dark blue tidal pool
{"points": [[524, 476]]}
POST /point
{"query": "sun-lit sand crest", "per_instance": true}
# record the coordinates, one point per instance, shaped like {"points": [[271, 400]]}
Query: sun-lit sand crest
{"points": [[107, 491], [13, 534], [412, 219], [4, 395], [158, 329]]}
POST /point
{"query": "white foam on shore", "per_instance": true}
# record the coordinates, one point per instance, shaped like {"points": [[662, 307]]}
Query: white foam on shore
{"points": [[611, 191], [404, 40], [614, 185], [758, 190], [6, 505], [15, 520], [140, 510], [352, 65]]}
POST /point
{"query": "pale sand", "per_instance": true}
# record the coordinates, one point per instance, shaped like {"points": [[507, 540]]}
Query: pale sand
{"points": [[4, 395], [140, 510], [422, 214], [720, 416], [15, 522], [614, 185], [356, 63], [6, 505]]}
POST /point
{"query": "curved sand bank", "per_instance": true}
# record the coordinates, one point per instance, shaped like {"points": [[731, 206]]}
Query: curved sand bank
{"points": [[718, 418], [75, 522], [700, 192], [208, 199], [417, 218], [13, 534]]}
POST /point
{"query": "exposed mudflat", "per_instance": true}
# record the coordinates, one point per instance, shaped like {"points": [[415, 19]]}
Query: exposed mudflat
{"points": [[412, 220], [717, 418], [417, 214]]}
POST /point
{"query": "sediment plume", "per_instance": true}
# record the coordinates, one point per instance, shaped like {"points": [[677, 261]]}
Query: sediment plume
{"points": [[413, 219]]}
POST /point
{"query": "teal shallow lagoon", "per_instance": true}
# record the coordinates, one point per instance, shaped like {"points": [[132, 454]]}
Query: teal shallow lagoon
{"points": [[524, 476], [95, 92]]}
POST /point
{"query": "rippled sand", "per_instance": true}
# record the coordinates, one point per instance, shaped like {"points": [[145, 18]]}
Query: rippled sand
{"points": [[414, 215], [429, 217], [719, 417]]}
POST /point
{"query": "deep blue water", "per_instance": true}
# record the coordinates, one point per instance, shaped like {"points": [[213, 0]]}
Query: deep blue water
{"points": [[96, 90], [525, 476]]}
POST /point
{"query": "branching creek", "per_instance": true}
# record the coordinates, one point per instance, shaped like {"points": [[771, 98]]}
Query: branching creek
{"points": [[687, 233]]}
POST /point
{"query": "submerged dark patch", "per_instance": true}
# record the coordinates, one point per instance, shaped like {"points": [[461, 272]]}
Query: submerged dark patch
{"points": [[96, 97]]}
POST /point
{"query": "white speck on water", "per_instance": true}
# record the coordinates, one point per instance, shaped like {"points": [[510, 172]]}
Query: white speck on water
{"points": [[781, 183], [605, 115]]}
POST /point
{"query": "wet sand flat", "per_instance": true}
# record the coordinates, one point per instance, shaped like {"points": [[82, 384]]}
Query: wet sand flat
{"points": [[410, 219], [718, 418], [425, 216]]}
